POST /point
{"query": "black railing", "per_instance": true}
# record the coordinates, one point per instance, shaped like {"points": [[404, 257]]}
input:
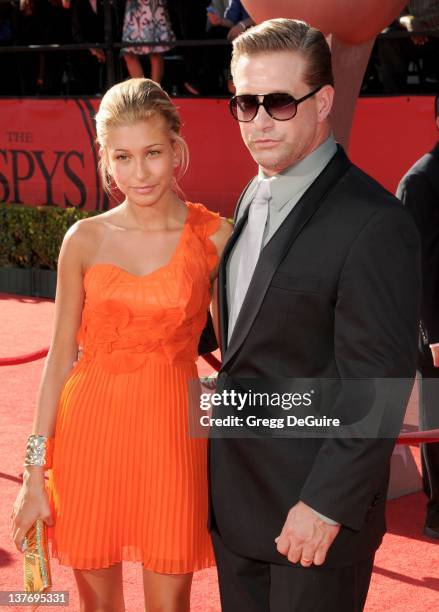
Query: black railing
{"points": [[109, 45]]}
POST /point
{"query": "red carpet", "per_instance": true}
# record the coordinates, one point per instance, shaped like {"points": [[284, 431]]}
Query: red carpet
{"points": [[406, 573]]}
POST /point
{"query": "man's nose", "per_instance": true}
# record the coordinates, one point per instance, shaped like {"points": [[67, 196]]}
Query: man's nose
{"points": [[262, 119]]}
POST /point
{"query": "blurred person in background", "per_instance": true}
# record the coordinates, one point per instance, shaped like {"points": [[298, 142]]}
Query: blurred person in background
{"points": [[233, 21], [217, 57], [189, 23], [419, 192], [236, 19], [50, 25], [396, 54], [87, 24], [147, 21], [9, 83], [30, 30]]}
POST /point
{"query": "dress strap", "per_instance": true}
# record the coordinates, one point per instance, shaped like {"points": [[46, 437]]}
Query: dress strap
{"points": [[204, 224]]}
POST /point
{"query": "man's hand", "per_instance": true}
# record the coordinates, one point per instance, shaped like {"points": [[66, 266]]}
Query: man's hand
{"points": [[305, 537]]}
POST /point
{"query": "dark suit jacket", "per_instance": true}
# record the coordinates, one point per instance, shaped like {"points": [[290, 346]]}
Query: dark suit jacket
{"points": [[419, 192], [335, 294]]}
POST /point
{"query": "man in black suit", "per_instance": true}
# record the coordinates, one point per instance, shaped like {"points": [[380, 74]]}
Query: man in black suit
{"points": [[419, 192], [320, 281]]}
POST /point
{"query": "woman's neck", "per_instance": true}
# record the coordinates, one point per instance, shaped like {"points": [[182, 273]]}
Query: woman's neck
{"points": [[167, 213]]}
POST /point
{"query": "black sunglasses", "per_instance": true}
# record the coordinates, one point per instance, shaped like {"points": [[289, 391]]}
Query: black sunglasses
{"points": [[280, 106]]}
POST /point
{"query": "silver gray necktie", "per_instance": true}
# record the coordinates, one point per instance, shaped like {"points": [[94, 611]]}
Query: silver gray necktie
{"points": [[251, 248]]}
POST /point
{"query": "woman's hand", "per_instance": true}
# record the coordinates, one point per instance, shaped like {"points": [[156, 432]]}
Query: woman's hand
{"points": [[32, 503]]}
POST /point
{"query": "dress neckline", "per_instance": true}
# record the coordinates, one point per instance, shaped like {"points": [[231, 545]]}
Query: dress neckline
{"points": [[160, 268]]}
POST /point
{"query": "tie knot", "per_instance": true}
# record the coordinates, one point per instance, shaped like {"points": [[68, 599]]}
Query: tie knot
{"points": [[263, 192]]}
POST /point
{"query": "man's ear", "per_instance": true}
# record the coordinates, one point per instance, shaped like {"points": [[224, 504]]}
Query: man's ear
{"points": [[325, 100]]}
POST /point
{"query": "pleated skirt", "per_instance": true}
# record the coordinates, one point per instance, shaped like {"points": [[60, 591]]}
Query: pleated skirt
{"points": [[128, 481]]}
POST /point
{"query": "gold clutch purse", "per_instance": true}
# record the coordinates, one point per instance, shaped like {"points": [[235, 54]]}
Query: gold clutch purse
{"points": [[37, 576]]}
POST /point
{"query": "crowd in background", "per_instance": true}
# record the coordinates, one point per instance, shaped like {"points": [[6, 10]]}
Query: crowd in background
{"points": [[398, 64]]}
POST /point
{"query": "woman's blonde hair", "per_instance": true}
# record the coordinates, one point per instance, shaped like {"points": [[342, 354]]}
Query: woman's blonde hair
{"points": [[132, 101]]}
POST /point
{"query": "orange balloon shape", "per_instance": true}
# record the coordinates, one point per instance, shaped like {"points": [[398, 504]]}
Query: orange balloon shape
{"points": [[352, 21]]}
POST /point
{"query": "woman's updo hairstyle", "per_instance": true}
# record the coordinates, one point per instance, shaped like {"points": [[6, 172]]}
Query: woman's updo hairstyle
{"points": [[132, 101]]}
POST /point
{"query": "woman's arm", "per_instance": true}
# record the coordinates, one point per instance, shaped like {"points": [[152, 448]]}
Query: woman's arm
{"points": [[220, 240], [214, 309], [32, 500], [63, 348]]}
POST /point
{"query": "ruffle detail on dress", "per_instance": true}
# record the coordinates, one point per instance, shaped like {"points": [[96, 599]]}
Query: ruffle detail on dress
{"points": [[205, 223], [122, 342]]}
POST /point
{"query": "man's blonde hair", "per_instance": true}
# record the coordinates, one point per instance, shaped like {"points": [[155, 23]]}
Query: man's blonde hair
{"points": [[288, 35], [132, 101]]}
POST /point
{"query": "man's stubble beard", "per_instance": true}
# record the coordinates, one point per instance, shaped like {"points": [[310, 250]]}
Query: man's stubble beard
{"points": [[275, 161]]}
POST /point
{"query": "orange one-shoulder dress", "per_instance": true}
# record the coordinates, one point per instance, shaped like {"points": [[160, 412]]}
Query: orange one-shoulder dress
{"points": [[128, 481]]}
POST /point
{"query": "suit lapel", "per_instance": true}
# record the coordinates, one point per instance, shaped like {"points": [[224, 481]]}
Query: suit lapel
{"points": [[274, 252], [245, 197], [222, 281]]}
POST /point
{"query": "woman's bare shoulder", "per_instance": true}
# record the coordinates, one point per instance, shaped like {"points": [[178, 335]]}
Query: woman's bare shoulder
{"points": [[92, 228], [81, 238]]}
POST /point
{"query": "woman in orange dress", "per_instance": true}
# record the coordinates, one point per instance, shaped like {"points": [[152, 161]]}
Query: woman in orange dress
{"points": [[127, 480]]}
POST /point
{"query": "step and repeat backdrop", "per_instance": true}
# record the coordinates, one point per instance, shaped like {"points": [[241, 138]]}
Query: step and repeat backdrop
{"points": [[48, 154]]}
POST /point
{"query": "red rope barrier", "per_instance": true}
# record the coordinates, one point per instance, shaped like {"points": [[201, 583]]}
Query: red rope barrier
{"points": [[418, 437], [5, 361]]}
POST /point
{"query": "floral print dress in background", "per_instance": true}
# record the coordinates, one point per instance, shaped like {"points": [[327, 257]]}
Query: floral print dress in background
{"points": [[147, 20]]}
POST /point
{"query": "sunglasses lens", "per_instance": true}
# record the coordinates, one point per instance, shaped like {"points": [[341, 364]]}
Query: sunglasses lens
{"points": [[244, 107], [281, 106]]}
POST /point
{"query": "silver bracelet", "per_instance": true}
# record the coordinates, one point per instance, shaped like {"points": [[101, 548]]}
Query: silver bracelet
{"points": [[36, 450]]}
